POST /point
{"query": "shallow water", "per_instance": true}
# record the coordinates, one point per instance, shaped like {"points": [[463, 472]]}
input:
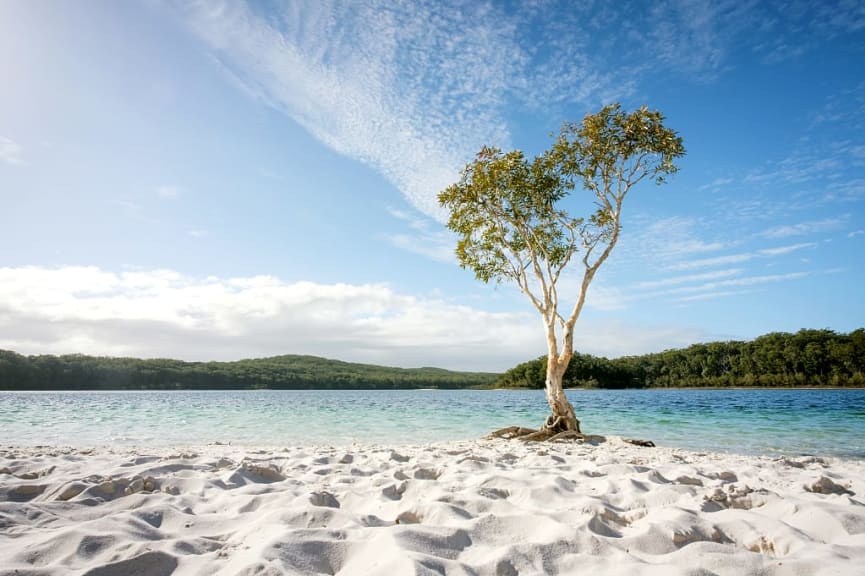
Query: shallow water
{"points": [[822, 422]]}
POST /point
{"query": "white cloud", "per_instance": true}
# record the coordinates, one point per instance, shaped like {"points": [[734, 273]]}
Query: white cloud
{"points": [[666, 241], [10, 151], [786, 249], [716, 184], [747, 281], [706, 286], [688, 35], [804, 228], [165, 314], [160, 313], [741, 257], [855, 233], [689, 278], [713, 295]]}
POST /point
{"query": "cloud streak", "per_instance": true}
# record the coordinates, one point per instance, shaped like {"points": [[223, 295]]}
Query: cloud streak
{"points": [[804, 228], [741, 257]]}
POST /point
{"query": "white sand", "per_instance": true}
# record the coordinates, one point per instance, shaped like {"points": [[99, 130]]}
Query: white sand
{"points": [[484, 507]]}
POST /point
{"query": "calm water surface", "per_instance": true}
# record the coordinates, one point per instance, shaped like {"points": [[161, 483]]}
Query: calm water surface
{"points": [[824, 422]]}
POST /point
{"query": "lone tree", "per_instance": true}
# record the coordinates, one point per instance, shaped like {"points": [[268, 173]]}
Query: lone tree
{"points": [[506, 211]]}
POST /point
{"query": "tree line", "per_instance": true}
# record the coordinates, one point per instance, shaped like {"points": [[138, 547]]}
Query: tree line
{"points": [[79, 372], [806, 358]]}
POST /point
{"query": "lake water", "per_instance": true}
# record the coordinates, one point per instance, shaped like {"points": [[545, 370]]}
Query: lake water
{"points": [[772, 422]]}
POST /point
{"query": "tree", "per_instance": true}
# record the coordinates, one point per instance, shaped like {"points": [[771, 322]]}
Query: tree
{"points": [[507, 213]]}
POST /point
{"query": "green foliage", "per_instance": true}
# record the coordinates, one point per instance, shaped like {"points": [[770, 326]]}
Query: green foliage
{"points": [[77, 372], [806, 358], [505, 209]]}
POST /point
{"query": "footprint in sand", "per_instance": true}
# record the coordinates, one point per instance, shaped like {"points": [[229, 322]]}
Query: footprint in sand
{"points": [[325, 499]]}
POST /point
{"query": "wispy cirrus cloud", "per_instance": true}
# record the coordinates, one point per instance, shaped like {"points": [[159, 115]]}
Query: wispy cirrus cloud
{"points": [[844, 109], [674, 280], [414, 89], [741, 257], [665, 241], [805, 228], [746, 281], [701, 286], [786, 249], [691, 35], [394, 86], [787, 32], [729, 288], [716, 184], [712, 295]]}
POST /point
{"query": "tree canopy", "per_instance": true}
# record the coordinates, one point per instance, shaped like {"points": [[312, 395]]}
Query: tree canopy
{"points": [[78, 372], [507, 211], [778, 359]]}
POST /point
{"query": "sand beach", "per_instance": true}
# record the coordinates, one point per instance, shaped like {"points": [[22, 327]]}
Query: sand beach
{"points": [[480, 507]]}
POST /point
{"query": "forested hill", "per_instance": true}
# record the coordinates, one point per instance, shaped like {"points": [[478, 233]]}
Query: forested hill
{"points": [[806, 358], [77, 372]]}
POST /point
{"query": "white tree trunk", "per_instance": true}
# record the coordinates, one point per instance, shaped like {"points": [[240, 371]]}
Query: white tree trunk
{"points": [[562, 417]]}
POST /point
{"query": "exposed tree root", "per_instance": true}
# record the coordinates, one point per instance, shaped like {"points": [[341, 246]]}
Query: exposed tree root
{"points": [[511, 432], [538, 436], [638, 442], [551, 434], [558, 423]]}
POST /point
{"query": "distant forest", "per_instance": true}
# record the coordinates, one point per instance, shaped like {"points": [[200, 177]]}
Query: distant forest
{"points": [[77, 372], [806, 358]]}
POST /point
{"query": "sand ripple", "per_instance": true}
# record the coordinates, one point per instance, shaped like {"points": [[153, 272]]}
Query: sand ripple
{"points": [[484, 507]]}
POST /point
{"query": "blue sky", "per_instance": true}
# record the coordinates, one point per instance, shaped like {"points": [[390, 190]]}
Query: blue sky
{"points": [[223, 180]]}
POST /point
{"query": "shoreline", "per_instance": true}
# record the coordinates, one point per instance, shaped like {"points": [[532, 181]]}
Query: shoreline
{"points": [[457, 507], [410, 389]]}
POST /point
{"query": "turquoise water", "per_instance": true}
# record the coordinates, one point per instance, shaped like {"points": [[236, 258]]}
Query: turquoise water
{"points": [[822, 422]]}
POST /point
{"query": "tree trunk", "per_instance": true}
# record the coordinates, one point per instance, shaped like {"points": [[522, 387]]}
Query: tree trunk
{"points": [[562, 417]]}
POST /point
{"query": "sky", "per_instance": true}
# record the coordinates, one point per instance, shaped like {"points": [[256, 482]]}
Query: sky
{"points": [[212, 180]]}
